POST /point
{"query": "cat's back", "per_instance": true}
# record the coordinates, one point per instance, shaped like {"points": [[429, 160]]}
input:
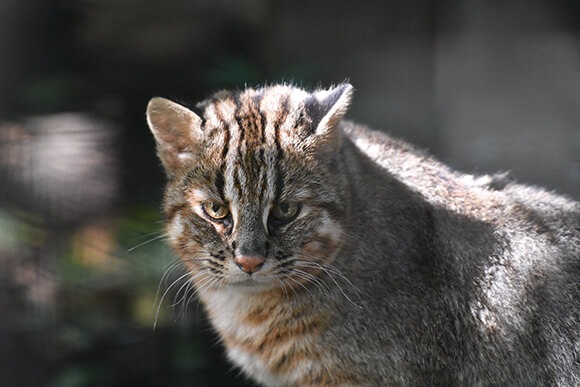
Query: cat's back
{"points": [[528, 229], [489, 197], [502, 258]]}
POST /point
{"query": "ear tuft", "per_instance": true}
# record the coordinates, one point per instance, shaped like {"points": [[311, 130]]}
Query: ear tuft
{"points": [[177, 131], [334, 103], [327, 107]]}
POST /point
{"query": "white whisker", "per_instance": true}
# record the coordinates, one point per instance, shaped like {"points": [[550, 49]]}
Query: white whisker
{"points": [[316, 281], [164, 294], [172, 266], [206, 283], [330, 270], [299, 283], [190, 293], [283, 287], [147, 242], [185, 286]]}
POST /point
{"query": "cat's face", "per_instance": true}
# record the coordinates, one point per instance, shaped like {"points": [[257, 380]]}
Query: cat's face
{"points": [[255, 198]]}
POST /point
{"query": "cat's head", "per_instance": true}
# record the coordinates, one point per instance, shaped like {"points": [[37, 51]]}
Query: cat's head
{"points": [[256, 196]]}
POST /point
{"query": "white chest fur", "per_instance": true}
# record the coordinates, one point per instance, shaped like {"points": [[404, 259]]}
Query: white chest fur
{"points": [[228, 310]]}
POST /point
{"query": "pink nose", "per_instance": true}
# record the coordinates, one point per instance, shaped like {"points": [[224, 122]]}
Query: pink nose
{"points": [[249, 264]]}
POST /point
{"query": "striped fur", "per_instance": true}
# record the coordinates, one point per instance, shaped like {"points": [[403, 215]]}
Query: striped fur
{"points": [[251, 150], [395, 269]]}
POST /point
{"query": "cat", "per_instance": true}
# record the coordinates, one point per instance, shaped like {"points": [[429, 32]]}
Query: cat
{"points": [[326, 253]]}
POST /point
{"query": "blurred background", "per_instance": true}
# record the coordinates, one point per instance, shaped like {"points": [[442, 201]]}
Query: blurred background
{"points": [[482, 85]]}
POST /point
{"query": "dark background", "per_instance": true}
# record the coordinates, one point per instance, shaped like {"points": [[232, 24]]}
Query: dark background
{"points": [[483, 85]]}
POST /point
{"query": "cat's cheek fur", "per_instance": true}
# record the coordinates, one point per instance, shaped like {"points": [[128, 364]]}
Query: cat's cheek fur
{"points": [[182, 237], [175, 229], [326, 242]]}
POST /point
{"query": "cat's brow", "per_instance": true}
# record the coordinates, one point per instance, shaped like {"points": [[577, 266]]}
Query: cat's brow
{"points": [[296, 194], [198, 195]]}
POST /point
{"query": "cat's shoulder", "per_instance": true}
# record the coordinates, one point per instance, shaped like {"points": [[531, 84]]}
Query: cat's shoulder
{"points": [[489, 195]]}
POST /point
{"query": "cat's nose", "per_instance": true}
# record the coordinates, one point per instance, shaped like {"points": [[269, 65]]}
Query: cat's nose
{"points": [[249, 263]]}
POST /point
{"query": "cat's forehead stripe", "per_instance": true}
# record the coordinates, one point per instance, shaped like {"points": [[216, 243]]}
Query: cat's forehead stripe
{"points": [[240, 121], [261, 117], [252, 124], [221, 122], [280, 119], [249, 117], [216, 113], [219, 183], [227, 108]]}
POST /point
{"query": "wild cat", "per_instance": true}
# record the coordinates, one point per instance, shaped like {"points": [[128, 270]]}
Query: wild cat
{"points": [[326, 253]]}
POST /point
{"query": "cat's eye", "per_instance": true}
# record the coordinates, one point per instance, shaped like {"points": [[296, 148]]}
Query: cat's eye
{"points": [[285, 212], [215, 210]]}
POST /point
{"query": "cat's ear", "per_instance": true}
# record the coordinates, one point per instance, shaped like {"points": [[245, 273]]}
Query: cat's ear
{"points": [[331, 105], [177, 131]]}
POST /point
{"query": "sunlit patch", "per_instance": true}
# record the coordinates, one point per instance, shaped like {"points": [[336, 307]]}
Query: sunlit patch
{"points": [[326, 240]]}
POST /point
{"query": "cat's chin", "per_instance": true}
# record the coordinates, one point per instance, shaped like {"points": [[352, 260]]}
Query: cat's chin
{"points": [[252, 285]]}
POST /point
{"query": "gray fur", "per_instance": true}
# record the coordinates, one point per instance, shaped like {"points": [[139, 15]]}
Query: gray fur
{"points": [[481, 293], [442, 279]]}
